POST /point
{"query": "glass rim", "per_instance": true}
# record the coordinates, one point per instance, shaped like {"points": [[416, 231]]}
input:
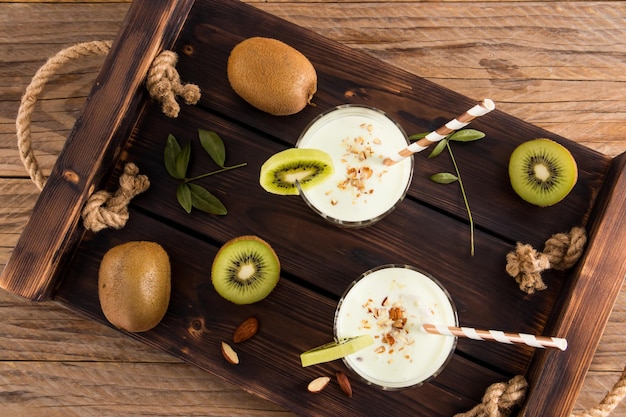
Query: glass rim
{"points": [[450, 354], [370, 221]]}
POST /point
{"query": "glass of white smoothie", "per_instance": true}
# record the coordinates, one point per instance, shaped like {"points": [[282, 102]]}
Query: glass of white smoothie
{"points": [[362, 190], [391, 302]]}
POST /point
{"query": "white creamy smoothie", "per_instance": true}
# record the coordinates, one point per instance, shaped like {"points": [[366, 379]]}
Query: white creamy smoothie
{"points": [[362, 190], [391, 303]]}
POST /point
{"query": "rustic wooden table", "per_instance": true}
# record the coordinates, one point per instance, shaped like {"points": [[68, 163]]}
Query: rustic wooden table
{"points": [[559, 65]]}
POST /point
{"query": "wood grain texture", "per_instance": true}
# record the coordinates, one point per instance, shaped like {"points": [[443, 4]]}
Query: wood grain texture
{"points": [[592, 70]]}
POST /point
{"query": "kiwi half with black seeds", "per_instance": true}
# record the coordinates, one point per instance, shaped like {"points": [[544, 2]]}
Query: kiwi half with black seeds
{"points": [[245, 270], [309, 167], [542, 171]]}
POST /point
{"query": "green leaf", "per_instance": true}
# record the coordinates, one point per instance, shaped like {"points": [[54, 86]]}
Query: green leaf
{"points": [[441, 145], [183, 194], [170, 153], [205, 201], [213, 145], [182, 161], [466, 135], [444, 178]]}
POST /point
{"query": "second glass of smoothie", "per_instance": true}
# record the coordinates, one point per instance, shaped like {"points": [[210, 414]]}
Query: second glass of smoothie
{"points": [[391, 303]]}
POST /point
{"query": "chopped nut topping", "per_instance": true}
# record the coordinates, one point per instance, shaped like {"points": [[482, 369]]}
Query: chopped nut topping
{"points": [[395, 313], [388, 339], [390, 319], [359, 150]]}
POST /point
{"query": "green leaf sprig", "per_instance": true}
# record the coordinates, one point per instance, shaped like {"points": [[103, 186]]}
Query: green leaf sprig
{"points": [[464, 135], [176, 160]]}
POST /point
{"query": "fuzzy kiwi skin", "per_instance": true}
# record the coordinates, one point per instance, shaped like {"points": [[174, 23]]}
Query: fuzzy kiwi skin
{"points": [[134, 285], [271, 75]]}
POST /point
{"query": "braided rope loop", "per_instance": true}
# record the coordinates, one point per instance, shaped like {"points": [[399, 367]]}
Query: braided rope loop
{"points": [[27, 105]]}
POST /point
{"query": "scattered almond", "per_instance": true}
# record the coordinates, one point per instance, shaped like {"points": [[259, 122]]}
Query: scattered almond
{"points": [[344, 383], [318, 384], [395, 313], [246, 330], [230, 355]]}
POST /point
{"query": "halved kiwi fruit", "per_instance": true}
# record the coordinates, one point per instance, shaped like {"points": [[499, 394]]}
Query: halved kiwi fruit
{"points": [[245, 270], [309, 167], [542, 171]]}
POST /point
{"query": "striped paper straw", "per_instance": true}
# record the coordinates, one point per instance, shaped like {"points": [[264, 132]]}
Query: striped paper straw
{"points": [[497, 336], [460, 122]]}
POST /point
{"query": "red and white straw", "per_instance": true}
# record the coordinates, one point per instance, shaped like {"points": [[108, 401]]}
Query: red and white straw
{"points": [[497, 336], [459, 122]]}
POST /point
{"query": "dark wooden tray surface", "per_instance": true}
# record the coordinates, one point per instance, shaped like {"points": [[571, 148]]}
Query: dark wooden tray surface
{"points": [[56, 258]]}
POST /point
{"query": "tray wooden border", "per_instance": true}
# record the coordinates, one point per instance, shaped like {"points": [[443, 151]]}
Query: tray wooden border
{"points": [[106, 119]]}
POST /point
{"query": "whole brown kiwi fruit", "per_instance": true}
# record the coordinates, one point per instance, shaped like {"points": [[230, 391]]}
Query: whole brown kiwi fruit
{"points": [[271, 75], [134, 285]]}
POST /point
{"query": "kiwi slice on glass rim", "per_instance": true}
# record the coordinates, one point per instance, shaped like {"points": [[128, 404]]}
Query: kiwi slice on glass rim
{"points": [[245, 270], [335, 350], [287, 170], [542, 171]]}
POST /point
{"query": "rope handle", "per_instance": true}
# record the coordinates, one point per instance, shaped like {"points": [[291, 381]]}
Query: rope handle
{"points": [[34, 89], [163, 84]]}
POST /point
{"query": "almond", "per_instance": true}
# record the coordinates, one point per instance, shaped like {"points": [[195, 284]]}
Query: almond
{"points": [[246, 330], [230, 355], [318, 384], [344, 383]]}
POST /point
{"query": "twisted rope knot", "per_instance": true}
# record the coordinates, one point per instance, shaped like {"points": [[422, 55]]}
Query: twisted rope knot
{"points": [[564, 249], [561, 252], [104, 209], [500, 398], [163, 84]]}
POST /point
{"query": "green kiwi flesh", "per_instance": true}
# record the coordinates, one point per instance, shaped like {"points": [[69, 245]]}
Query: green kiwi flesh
{"points": [[245, 270], [542, 171], [309, 167]]}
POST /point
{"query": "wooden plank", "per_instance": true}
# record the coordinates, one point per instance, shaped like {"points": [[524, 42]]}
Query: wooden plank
{"points": [[54, 339], [157, 389]]}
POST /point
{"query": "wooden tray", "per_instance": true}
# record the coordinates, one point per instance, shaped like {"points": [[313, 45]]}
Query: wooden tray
{"points": [[56, 258]]}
